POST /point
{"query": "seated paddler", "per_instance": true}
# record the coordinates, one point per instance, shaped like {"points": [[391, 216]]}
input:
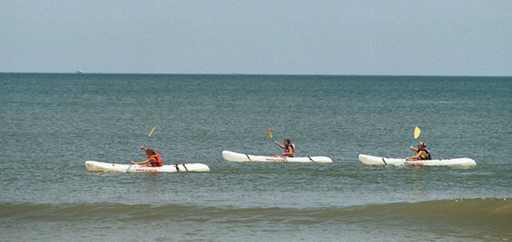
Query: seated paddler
{"points": [[153, 160], [422, 153], [288, 148]]}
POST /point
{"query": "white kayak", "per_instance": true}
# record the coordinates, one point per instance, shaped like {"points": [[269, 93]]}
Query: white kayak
{"points": [[113, 167], [239, 157], [375, 160]]}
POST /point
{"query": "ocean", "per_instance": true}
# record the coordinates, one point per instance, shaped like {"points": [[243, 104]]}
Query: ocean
{"points": [[52, 123]]}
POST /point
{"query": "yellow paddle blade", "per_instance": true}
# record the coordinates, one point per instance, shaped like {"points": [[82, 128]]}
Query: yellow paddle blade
{"points": [[269, 132], [152, 130], [417, 132]]}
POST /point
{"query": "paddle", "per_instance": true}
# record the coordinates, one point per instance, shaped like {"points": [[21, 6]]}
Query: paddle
{"points": [[153, 130], [271, 136], [278, 148], [417, 132]]}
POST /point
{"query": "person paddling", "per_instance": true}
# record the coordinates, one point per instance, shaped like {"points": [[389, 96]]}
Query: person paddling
{"points": [[422, 153], [154, 158], [288, 148]]}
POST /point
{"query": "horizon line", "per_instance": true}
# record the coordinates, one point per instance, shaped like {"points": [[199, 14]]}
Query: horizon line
{"points": [[245, 74]]}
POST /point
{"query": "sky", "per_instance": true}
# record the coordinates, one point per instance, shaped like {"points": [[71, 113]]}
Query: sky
{"points": [[297, 37]]}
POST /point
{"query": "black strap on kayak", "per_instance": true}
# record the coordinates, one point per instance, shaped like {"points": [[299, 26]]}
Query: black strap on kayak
{"points": [[311, 159], [248, 157], [384, 161], [185, 167], [177, 168]]}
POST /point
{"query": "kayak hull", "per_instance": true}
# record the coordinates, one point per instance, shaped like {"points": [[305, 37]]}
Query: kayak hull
{"points": [[98, 166], [240, 157], [375, 160]]}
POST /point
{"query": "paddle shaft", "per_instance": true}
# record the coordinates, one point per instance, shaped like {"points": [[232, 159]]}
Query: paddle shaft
{"points": [[417, 132], [278, 148], [411, 146], [138, 152]]}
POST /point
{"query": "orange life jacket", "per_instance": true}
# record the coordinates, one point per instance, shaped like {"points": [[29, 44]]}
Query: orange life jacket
{"points": [[158, 160]]}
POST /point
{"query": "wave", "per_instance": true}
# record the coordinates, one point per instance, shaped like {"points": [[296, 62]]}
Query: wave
{"points": [[467, 218], [461, 209]]}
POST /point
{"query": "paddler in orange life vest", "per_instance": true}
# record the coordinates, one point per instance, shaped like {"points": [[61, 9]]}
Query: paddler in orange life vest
{"points": [[154, 158], [288, 147], [423, 153]]}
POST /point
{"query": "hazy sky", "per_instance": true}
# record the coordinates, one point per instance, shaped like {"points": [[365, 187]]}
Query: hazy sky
{"points": [[361, 37]]}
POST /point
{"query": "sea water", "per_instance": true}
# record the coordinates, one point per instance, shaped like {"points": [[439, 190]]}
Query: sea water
{"points": [[50, 124]]}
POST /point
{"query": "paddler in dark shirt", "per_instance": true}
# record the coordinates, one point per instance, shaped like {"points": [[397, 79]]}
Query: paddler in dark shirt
{"points": [[288, 147], [422, 152]]}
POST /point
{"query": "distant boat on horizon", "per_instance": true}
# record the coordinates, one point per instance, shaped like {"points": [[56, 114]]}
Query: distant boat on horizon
{"points": [[79, 72]]}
